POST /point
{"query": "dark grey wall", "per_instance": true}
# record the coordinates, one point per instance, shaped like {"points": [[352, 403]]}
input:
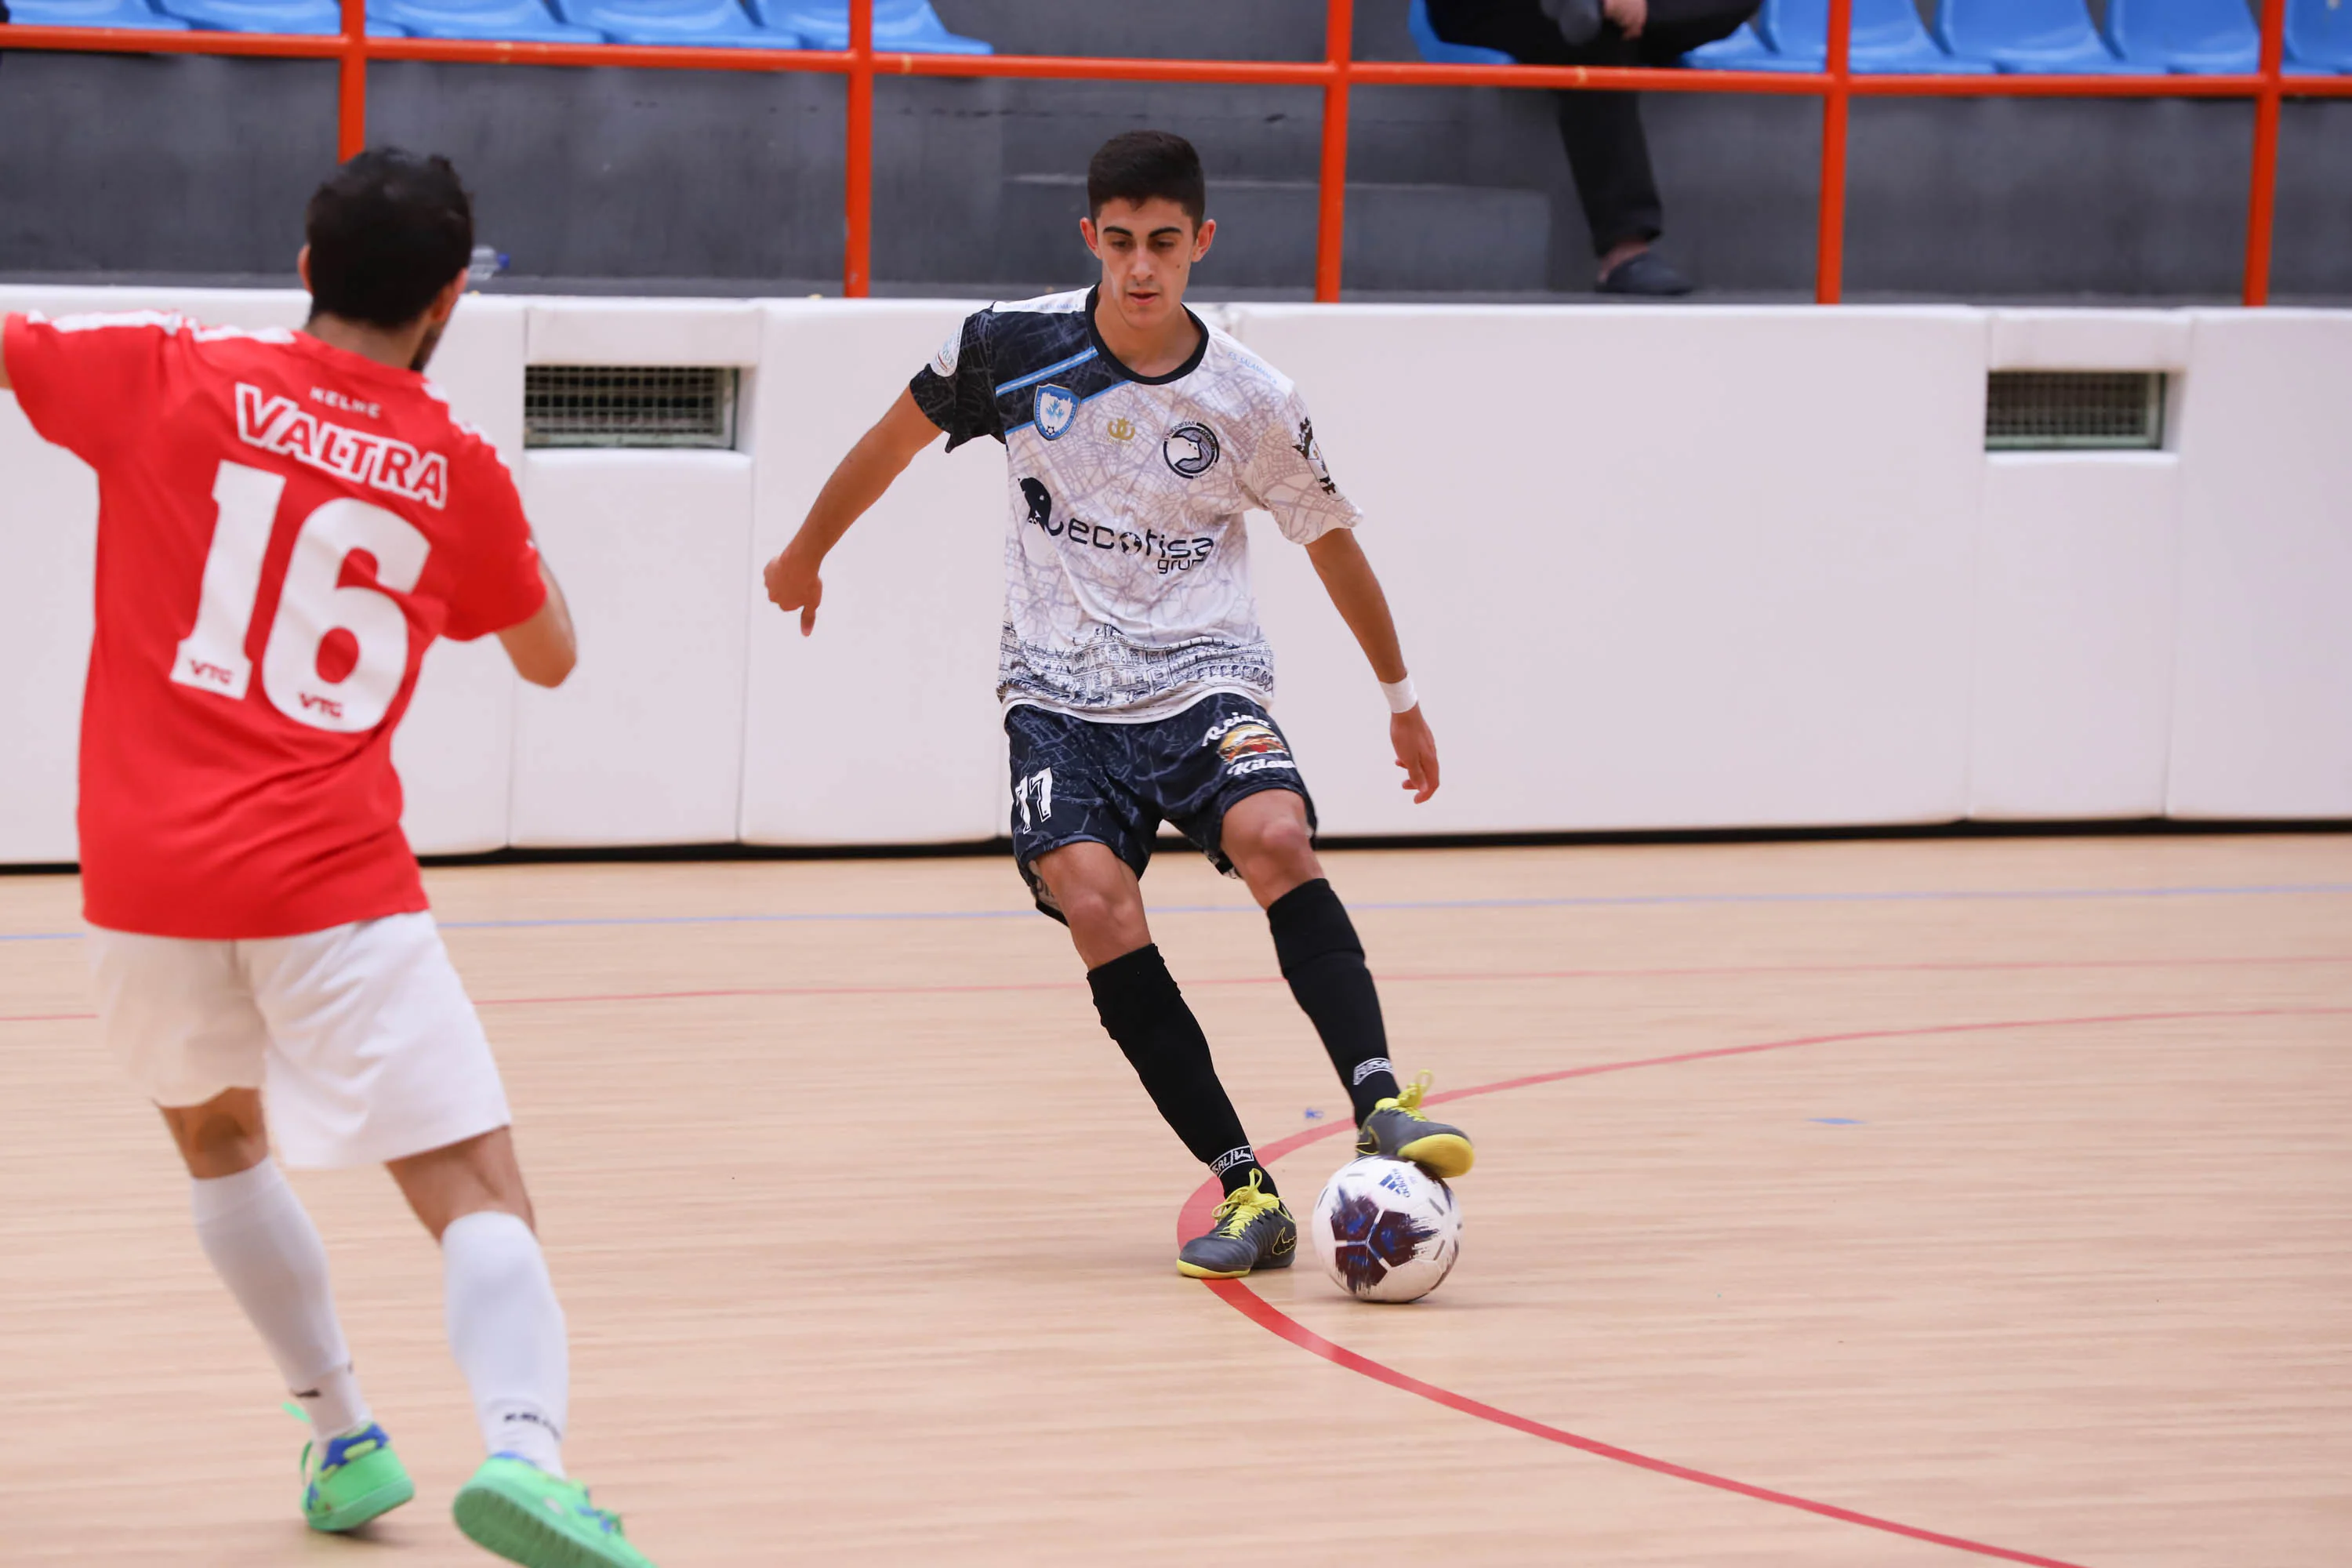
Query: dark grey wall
{"points": [[186, 167]]}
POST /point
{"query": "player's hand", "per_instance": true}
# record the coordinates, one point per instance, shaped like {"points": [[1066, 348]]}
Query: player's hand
{"points": [[793, 584], [1416, 751], [1629, 14]]}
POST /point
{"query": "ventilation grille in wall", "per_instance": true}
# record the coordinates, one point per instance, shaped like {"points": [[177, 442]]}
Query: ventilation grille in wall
{"points": [[628, 406], [2027, 410]]}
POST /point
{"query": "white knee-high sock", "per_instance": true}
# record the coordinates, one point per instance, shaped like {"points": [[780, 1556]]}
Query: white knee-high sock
{"points": [[506, 1332], [267, 1253]]}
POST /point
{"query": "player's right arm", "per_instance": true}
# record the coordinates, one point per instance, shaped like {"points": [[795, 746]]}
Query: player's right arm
{"points": [[880, 456]]}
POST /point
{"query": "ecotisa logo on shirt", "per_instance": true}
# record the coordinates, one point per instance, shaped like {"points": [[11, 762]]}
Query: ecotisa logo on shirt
{"points": [[280, 424]]}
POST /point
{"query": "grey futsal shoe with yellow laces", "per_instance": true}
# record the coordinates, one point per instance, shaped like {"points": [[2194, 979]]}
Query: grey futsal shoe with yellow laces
{"points": [[1398, 1131], [1251, 1229]]}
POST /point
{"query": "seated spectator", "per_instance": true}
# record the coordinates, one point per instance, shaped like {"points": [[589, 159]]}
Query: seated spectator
{"points": [[1603, 130]]}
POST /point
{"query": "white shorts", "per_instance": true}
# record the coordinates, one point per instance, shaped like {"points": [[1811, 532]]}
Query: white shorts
{"points": [[360, 1037]]}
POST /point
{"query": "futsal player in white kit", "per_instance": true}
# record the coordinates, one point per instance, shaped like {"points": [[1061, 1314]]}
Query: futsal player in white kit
{"points": [[285, 523], [1134, 678]]}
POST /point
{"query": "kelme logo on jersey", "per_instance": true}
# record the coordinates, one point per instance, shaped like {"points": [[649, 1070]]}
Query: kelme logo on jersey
{"points": [[1055, 408], [1190, 449], [1167, 554]]}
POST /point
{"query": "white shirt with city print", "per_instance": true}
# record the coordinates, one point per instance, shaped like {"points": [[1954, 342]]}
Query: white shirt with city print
{"points": [[1125, 557]]}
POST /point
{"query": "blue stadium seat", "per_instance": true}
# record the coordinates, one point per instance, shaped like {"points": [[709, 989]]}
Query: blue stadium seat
{"points": [[901, 27], [2318, 36], [1438, 52], [707, 24], [521, 21], [91, 14], [2040, 38], [1887, 40], [1744, 51], [268, 16], [2189, 37]]}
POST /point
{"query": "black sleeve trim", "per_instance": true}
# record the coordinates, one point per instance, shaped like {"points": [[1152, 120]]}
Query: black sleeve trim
{"points": [[962, 404]]}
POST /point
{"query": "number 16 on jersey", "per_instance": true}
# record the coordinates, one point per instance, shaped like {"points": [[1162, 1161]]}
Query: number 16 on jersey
{"points": [[313, 606]]}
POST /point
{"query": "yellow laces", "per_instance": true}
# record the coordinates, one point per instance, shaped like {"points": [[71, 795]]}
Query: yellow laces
{"points": [[1408, 1099], [1243, 1205]]}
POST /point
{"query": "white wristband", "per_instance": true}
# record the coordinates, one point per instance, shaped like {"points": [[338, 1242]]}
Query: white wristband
{"points": [[1401, 695]]}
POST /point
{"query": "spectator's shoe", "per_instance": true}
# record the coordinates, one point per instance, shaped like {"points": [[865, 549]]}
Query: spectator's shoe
{"points": [[1397, 1130], [1646, 275], [1578, 21], [359, 1478], [1252, 1230], [515, 1508]]}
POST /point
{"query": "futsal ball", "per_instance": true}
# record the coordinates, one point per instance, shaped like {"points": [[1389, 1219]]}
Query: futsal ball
{"points": [[1386, 1230]]}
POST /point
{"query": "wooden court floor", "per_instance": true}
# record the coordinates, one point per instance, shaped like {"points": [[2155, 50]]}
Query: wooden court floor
{"points": [[1860, 1204]]}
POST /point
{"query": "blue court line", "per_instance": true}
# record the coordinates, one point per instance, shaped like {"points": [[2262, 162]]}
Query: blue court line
{"points": [[1592, 902]]}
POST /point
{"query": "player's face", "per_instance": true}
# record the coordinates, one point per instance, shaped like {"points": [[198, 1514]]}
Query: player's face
{"points": [[1146, 253]]}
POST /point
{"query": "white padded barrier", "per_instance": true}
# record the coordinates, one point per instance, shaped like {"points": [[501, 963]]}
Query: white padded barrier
{"points": [[456, 747], [882, 728], [1653, 569], [48, 531], [2075, 568], [1714, 567], [2089, 340], [2074, 634], [2262, 710], [646, 332], [455, 750], [645, 743]]}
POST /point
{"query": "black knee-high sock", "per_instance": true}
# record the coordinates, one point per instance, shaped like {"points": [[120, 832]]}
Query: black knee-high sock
{"points": [[1315, 943], [1147, 1015]]}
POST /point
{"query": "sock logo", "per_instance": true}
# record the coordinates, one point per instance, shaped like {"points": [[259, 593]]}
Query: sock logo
{"points": [[1231, 1158], [1366, 1067]]}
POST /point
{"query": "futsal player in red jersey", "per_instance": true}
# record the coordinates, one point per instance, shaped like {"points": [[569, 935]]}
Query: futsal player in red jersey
{"points": [[285, 523]]}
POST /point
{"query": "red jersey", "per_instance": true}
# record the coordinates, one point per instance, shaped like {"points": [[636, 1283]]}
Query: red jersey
{"points": [[283, 529]]}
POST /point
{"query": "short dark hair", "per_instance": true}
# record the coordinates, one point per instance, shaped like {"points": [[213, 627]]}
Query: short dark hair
{"points": [[387, 232], [1135, 166]]}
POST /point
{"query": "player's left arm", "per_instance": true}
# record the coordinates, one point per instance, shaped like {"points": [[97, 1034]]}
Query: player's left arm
{"points": [[544, 650], [1356, 592]]}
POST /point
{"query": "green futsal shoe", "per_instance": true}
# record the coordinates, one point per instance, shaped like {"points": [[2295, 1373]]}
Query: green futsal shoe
{"points": [[1397, 1130], [515, 1508], [358, 1479], [1251, 1229]]}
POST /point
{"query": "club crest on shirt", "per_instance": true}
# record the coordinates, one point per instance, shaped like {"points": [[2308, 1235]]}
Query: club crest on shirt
{"points": [[1190, 449], [1055, 406]]}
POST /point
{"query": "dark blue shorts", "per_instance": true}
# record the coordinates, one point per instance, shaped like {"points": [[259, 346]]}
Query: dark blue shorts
{"points": [[1076, 779]]}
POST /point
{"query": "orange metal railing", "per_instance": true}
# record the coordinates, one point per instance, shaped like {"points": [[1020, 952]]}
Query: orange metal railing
{"points": [[1336, 73]]}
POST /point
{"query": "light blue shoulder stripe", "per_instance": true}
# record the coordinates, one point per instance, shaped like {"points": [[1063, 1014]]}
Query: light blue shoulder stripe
{"points": [[1038, 375]]}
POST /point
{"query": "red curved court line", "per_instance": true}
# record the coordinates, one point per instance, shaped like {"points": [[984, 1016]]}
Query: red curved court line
{"points": [[1236, 1294]]}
